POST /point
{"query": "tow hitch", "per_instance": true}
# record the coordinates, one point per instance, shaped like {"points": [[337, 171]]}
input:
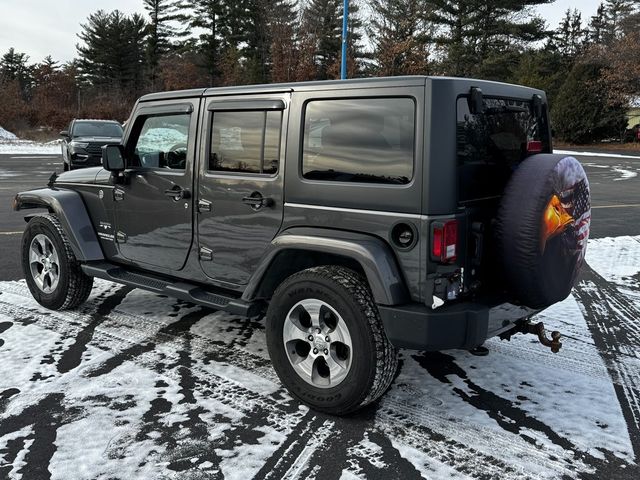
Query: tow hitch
{"points": [[538, 329]]}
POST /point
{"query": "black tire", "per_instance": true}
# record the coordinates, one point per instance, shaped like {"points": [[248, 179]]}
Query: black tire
{"points": [[374, 359], [73, 286], [541, 262]]}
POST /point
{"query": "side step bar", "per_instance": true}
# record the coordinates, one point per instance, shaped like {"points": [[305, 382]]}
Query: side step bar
{"points": [[177, 289]]}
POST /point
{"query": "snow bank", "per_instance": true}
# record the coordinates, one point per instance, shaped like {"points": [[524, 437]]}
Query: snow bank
{"points": [[6, 135], [24, 147], [595, 154], [10, 144]]}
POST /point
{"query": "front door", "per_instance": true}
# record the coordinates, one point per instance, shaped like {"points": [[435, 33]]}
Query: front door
{"points": [[154, 202], [240, 193]]}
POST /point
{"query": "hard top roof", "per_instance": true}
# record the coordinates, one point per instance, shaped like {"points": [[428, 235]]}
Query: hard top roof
{"points": [[289, 87], [377, 82]]}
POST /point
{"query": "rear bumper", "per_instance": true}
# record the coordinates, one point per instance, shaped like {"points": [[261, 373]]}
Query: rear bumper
{"points": [[464, 325]]}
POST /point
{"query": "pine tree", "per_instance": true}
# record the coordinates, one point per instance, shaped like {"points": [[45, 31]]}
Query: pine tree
{"points": [[472, 32], [615, 12], [582, 112], [322, 27], [570, 37], [397, 30], [595, 31], [283, 48], [205, 16], [257, 36], [14, 67], [160, 31], [112, 51]]}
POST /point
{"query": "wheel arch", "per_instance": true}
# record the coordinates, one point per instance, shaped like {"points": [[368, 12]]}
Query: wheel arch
{"points": [[70, 209], [300, 248]]}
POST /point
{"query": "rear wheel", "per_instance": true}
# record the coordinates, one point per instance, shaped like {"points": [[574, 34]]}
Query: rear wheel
{"points": [[52, 272], [327, 342]]}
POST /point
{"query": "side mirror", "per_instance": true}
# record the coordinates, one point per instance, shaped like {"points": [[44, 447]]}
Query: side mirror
{"points": [[113, 158], [64, 133]]}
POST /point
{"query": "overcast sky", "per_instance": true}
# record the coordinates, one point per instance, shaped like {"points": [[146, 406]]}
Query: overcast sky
{"points": [[49, 27]]}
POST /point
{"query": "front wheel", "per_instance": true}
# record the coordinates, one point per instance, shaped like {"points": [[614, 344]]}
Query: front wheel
{"points": [[327, 342], [53, 274]]}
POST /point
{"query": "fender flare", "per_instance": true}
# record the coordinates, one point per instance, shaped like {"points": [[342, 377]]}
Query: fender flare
{"points": [[374, 256], [68, 206]]}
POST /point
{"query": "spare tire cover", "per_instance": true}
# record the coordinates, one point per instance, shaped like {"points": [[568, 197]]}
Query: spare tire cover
{"points": [[543, 228]]}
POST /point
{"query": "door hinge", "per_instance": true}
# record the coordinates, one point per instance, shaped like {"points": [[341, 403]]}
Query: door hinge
{"points": [[118, 194], [121, 237], [206, 254], [204, 206]]}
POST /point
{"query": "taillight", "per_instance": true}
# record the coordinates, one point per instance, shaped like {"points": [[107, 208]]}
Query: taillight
{"points": [[444, 241], [534, 146]]}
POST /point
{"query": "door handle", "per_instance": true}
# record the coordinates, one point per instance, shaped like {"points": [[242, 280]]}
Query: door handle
{"points": [[256, 201], [177, 193]]}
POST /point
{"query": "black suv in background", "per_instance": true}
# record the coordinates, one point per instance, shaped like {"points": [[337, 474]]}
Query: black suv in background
{"points": [[83, 140], [364, 215]]}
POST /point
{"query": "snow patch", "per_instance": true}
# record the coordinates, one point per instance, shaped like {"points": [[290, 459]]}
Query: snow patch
{"points": [[626, 174], [25, 147], [595, 154], [6, 135], [616, 259]]}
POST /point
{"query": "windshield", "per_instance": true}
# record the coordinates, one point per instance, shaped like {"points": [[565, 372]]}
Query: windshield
{"points": [[97, 129], [492, 143]]}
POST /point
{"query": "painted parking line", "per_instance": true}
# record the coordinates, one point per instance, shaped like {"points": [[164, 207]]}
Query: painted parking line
{"points": [[38, 157], [11, 233]]}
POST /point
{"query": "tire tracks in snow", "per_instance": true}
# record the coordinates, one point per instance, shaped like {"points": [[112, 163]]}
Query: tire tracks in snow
{"points": [[614, 322], [311, 439]]}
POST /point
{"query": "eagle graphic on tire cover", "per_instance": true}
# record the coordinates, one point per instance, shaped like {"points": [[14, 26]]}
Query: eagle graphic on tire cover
{"points": [[567, 217]]}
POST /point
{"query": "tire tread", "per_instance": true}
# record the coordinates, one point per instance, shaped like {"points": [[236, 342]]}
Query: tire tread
{"points": [[79, 284], [386, 354]]}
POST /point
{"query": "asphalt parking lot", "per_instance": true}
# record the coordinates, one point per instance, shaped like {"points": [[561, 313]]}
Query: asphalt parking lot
{"points": [[135, 385]]}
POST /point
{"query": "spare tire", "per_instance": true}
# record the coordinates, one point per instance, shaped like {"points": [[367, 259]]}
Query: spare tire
{"points": [[543, 228]]}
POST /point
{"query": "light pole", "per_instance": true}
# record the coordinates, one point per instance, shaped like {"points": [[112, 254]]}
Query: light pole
{"points": [[345, 24]]}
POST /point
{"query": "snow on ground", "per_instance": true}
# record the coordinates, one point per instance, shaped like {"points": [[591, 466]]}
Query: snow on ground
{"points": [[25, 147], [595, 154], [6, 135], [625, 174], [616, 259], [11, 144], [137, 385]]}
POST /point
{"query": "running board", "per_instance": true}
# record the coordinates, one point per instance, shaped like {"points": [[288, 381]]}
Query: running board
{"points": [[177, 289]]}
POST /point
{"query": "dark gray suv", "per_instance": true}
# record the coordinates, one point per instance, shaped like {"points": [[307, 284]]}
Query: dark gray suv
{"points": [[82, 142], [363, 216]]}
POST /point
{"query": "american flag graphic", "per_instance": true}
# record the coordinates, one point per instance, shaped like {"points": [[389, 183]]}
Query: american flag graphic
{"points": [[577, 202]]}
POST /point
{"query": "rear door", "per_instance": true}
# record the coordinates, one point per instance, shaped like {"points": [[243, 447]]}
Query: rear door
{"points": [[154, 206], [240, 191]]}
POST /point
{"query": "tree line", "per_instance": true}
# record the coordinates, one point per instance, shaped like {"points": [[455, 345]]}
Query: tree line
{"points": [[590, 68]]}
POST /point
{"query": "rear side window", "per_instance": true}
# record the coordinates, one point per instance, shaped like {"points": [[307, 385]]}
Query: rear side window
{"points": [[492, 143], [246, 142], [368, 140]]}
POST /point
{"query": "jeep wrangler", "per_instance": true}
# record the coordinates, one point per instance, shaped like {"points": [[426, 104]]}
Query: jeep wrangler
{"points": [[364, 215]]}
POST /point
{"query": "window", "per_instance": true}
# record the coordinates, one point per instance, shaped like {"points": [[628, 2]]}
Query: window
{"points": [[369, 140], [162, 142], [85, 128], [246, 142], [492, 143]]}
